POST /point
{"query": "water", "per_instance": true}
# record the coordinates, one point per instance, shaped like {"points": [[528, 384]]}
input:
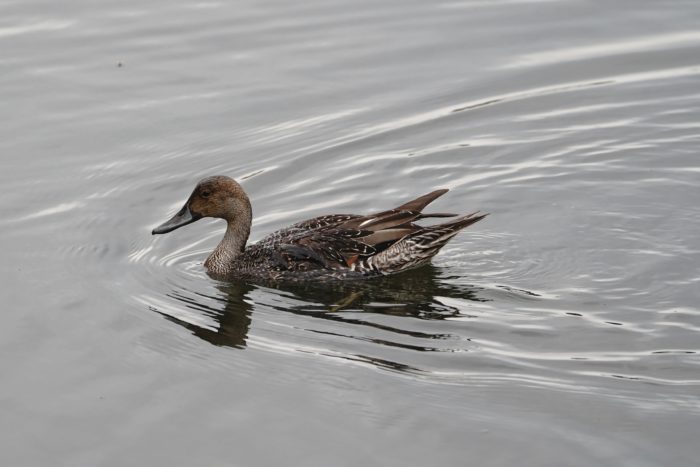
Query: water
{"points": [[562, 329]]}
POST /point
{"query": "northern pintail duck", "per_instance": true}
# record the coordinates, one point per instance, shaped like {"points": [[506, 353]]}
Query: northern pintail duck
{"points": [[335, 246]]}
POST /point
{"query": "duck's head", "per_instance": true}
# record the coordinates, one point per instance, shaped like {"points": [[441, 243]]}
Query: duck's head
{"points": [[217, 196]]}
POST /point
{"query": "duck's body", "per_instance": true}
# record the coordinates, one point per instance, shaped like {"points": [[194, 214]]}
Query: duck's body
{"points": [[336, 246]]}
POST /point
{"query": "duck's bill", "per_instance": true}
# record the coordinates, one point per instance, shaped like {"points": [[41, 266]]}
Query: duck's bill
{"points": [[183, 217]]}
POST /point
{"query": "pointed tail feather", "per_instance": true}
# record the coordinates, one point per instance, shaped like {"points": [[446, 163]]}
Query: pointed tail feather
{"points": [[419, 247], [435, 214], [404, 214], [464, 221], [438, 235], [420, 203]]}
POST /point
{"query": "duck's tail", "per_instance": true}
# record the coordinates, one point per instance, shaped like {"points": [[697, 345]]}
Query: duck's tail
{"points": [[420, 246], [421, 202]]}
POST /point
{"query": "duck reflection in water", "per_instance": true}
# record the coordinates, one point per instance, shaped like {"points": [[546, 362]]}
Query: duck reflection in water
{"points": [[415, 293]]}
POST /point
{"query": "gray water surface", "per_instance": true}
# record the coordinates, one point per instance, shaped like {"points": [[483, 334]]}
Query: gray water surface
{"points": [[563, 330]]}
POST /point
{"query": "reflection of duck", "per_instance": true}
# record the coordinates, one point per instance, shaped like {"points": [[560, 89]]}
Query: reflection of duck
{"points": [[336, 246], [420, 293], [233, 321]]}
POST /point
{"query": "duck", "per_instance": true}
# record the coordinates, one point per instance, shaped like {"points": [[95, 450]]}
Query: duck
{"points": [[328, 247]]}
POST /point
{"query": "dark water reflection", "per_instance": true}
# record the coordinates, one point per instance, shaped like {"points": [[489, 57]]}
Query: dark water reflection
{"points": [[232, 321], [415, 294]]}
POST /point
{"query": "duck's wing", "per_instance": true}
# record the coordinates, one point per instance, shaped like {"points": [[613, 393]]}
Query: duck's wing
{"points": [[383, 242], [383, 251], [324, 222], [328, 249], [340, 241], [399, 216], [406, 213], [288, 235]]}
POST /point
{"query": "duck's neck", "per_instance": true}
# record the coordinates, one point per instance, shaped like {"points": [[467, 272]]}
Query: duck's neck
{"points": [[220, 261]]}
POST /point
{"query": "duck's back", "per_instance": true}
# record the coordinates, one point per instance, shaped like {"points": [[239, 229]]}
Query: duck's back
{"points": [[346, 245]]}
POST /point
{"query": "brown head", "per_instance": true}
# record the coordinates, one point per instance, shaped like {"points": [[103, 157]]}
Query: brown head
{"points": [[217, 196]]}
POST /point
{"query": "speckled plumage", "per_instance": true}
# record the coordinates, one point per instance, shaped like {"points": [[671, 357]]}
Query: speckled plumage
{"points": [[331, 247]]}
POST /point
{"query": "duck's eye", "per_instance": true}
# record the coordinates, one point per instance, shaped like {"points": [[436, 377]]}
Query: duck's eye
{"points": [[205, 194]]}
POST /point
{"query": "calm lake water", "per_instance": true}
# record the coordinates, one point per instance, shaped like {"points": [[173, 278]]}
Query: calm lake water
{"points": [[563, 330]]}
